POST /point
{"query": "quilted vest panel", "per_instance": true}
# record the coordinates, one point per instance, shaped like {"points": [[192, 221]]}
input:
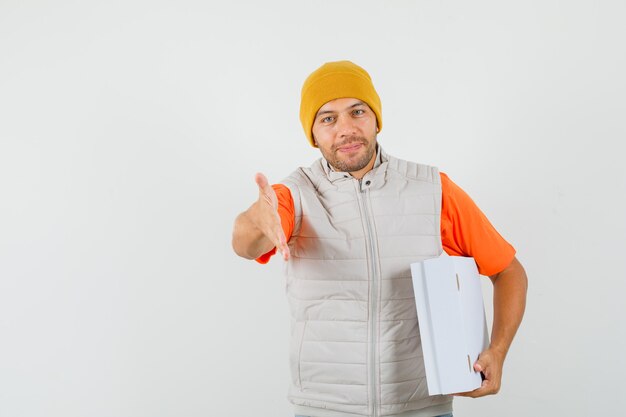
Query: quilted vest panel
{"points": [[355, 345]]}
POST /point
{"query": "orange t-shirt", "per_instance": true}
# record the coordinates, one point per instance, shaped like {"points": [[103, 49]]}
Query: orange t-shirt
{"points": [[465, 230]]}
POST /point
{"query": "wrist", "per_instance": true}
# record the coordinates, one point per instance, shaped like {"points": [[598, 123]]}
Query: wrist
{"points": [[499, 349]]}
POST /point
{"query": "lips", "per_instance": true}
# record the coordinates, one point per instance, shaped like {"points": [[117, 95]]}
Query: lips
{"points": [[350, 148]]}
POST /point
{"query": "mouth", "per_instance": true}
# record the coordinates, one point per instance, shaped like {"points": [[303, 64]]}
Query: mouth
{"points": [[350, 147]]}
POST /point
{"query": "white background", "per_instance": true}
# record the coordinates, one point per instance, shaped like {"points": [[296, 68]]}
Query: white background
{"points": [[130, 132]]}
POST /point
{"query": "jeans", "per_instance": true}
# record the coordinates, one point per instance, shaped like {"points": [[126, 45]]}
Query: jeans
{"points": [[443, 415]]}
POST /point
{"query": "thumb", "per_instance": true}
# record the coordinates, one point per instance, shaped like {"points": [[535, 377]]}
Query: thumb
{"points": [[479, 366], [266, 192], [261, 180]]}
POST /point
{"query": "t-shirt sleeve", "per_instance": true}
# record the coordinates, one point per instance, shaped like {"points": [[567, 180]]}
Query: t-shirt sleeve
{"points": [[466, 231], [287, 214]]}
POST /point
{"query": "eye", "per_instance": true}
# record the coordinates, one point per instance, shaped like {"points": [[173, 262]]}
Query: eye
{"points": [[358, 112], [328, 119]]}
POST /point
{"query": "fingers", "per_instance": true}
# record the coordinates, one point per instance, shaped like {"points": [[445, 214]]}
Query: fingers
{"points": [[282, 246], [487, 388], [279, 240], [270, 222], [478, 392]]}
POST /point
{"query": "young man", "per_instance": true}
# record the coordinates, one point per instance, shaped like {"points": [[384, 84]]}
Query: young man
{"points": [[348, 227]]}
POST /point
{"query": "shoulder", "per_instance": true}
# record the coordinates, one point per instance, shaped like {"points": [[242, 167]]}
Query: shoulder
{"points": [[305, 176], [413, 170], [453, 196], [447, 186]]}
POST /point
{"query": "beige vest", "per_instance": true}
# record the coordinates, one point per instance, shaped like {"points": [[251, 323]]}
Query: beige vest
{"points": [[355, 345]]}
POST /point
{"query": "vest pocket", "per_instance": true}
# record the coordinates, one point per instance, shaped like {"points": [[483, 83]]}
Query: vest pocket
{"points": [[297, 339]]}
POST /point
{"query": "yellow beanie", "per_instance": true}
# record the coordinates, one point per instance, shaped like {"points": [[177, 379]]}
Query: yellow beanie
{"points": [[341, 79]]}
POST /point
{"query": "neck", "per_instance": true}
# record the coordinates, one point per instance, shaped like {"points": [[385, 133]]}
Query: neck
{"points": [[361, 173]]}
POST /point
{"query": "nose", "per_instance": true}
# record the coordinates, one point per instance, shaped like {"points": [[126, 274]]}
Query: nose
{"points": [[345, 125]]}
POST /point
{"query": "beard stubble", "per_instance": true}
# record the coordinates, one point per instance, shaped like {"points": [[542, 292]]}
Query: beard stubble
{"points": [[347, 164]]}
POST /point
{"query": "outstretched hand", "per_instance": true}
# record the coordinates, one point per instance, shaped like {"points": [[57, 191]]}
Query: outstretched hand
{"points": [[267, 219]]}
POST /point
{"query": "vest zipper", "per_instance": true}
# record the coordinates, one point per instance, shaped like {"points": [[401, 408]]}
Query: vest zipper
{"points": [[374, 299]]}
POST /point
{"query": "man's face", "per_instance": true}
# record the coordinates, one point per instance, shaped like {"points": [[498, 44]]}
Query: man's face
{"points": [[345, 131]]}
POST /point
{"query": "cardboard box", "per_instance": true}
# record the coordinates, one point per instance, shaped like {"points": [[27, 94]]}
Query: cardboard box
{"points": [[451, 316]]}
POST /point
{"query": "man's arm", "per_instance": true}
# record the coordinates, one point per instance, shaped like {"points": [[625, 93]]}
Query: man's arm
{"points": [[509, 302], [258, 229]]}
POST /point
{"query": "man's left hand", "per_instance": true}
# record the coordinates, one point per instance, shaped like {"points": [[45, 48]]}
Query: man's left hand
{"points": [[490, 363]]}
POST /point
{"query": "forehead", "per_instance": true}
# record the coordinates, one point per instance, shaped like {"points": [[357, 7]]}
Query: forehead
{"points": [[340, 104]]}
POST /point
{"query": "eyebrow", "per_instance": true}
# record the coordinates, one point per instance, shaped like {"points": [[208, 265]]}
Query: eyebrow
{"points": [[360, 103]]}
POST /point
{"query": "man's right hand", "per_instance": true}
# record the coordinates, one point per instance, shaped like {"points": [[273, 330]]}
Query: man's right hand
{"points": [[266, 218], [259, 229]]}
